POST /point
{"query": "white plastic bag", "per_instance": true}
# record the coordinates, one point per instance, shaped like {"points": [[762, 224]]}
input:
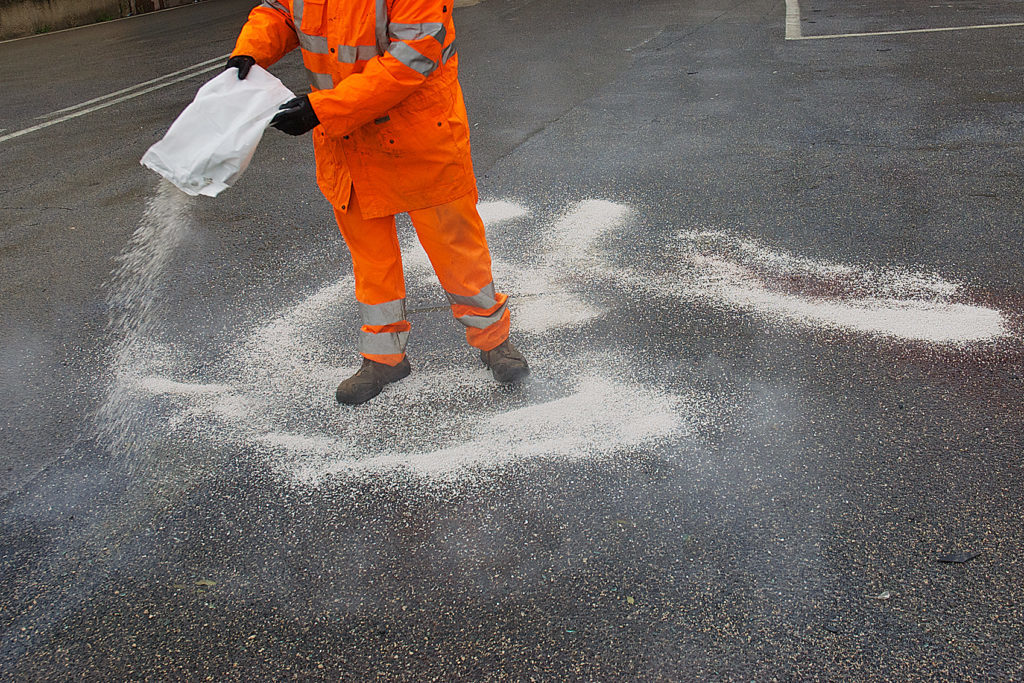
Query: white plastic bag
{"points": [[212, 141]]}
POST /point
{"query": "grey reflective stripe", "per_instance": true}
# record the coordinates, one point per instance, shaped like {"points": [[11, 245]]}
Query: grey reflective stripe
{"points": [[412, 59], [383, 343], [448, 53], [297, 13], [350, 54], [316, 44], [381, 28], [417, 31], [485, 299], [320, 81], [274, 4], [387, 313], [480, 321]]}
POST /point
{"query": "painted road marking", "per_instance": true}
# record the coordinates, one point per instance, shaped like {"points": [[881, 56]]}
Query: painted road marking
{"points": [[793, 31], [82, 105], [792, 20], [119, 96]]}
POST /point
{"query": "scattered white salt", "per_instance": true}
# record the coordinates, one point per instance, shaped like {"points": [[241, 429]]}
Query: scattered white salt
{"points": [[304, 444], [892, 281], [544, 299], [927, 321], [448, 420], [892, 302], [162, 385], [599, 418], [539, 314], [500, 211], [577, 232]]}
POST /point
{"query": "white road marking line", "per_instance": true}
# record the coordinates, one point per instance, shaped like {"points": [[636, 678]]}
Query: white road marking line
{"points": [[133, 92], [912, 30], [793, 31], [793, 20], [137, 86]]}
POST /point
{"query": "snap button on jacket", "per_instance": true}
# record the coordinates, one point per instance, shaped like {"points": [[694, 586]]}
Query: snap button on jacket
{"points": [[384, 83]]}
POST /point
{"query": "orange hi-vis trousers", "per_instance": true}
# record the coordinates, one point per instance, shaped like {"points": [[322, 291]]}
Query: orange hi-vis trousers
{"points": [[452, 234]]}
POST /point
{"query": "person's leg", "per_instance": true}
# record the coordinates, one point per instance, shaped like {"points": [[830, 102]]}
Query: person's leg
{"points": [[380, 290], [380, 284], [453, 236]]}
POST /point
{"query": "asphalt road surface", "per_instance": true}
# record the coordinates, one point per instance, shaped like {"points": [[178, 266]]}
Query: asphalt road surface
{"points": [[771, 291]]}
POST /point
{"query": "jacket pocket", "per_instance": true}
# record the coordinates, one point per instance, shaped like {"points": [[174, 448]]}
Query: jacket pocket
{"points": [[313, 17], [425, 135]]}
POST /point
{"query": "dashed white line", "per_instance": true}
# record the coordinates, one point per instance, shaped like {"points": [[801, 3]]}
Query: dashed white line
{"points": [[119, 96]]}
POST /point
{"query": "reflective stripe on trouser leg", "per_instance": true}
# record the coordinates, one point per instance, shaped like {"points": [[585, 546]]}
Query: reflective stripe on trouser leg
{"points": [[385, 330], [387, 313], [374, 344], [481, 310], [380, 286], [453, 236]]}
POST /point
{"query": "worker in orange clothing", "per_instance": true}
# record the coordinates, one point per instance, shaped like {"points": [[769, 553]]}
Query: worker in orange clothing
{"points": [[390, 135]]}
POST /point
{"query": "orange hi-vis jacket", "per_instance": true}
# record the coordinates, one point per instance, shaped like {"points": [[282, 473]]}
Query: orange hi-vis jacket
{"points": [[384, 80]]}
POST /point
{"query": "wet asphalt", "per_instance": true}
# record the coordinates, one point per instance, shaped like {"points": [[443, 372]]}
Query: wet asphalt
{"points": [[796, 534]]}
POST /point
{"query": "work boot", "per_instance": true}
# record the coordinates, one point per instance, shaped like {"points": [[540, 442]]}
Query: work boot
{"points": [[370, 380], [505, 362]]}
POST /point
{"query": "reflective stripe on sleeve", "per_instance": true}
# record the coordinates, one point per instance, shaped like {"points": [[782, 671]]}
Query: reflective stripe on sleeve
{"points": [[381, 27], [411, 58], [482, 322], [320, 81], [448, 53], [350, 54], [417, 31], [382, 343], [387, 313], [485, 299]]}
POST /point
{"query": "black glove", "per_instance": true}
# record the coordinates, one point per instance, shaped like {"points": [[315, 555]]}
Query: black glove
{"points": [[241, 62], [296, 117]]}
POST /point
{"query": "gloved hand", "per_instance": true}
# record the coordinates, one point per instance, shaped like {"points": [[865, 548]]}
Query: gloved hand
{"points": [[241, 62], [296, 117]]}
